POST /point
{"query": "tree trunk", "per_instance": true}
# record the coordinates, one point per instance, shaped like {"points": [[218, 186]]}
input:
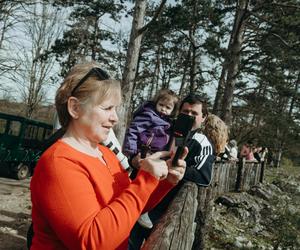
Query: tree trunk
{"points": [[156, 73], [220, 91], [194, 48], [233, 59], [94, 42], [193, 69], [294, 97], [3, 32], [186, 66], [131, 66]]}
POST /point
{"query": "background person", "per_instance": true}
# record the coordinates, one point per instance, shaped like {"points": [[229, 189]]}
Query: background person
{"points": [[231, 152], [256, 153], [81, 196], [217, 133], [246, 151]]}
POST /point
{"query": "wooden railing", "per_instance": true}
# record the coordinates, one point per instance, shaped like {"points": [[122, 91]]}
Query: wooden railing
{"points": [[183, 225]]}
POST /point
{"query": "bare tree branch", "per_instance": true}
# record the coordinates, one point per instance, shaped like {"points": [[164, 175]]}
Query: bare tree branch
{"points": [[287, 5], [284, 41], [155, 16]]}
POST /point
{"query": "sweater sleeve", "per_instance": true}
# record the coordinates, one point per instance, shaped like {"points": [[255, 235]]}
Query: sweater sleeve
{"points": [[66, 197], [141, 123], [159, 193]]}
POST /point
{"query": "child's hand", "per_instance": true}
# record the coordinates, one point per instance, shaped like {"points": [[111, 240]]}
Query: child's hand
{"points": [[176, 173], [135, 162]]}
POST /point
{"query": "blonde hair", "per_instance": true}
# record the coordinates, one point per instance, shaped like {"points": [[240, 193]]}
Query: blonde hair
{"points": [[216, 130], [92, 91], [169, 95]]}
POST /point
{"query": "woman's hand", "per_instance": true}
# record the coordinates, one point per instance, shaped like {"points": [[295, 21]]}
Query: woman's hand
{"points": [[154, 165], [176, 173]]}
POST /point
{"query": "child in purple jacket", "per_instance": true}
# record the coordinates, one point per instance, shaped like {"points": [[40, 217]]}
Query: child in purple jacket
{"points": [[151, 124], [150, 130]]}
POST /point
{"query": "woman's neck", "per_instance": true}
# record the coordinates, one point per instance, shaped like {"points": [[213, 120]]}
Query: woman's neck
{"points": [[81, 143]]}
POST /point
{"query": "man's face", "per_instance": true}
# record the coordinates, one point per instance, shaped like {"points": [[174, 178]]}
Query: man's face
{"points": [[194, 110]]}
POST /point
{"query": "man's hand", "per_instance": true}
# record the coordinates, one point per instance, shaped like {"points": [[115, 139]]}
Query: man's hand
{"points": [[176, 173]]}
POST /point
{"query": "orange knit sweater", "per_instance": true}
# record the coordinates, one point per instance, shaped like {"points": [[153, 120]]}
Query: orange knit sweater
{"points": [[80, 203]]}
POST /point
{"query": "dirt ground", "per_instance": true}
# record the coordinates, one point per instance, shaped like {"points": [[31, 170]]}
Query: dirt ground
{"points": [[15, 209]]}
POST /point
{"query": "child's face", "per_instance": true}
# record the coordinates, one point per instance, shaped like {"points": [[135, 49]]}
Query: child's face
{"points": [[165, 107]]}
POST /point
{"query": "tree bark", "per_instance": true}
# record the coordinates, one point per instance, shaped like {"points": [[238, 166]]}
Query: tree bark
{"points": [[193, 69], [131, 66], [220, 92], [194, 49], [156, 72], [294, 97], [185, 71]]}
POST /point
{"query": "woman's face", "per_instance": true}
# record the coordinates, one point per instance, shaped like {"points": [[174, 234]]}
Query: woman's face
{"points": [[96, 120]]}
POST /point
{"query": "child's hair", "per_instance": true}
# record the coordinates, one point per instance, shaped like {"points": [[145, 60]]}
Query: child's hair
{"points": [[216, 130], [167, 94]]}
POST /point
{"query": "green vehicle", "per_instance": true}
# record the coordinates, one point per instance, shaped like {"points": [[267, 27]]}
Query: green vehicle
{"points": [[21, 144]]}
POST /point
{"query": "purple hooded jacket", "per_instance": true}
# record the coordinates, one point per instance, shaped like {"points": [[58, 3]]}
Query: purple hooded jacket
{"points": [[147, 125]]}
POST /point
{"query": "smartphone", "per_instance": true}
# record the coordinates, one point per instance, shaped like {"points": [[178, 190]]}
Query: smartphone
{"points": [[182, 128]]}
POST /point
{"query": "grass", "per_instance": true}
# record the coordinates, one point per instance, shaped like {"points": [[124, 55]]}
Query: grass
{"points": [[286, 169]]}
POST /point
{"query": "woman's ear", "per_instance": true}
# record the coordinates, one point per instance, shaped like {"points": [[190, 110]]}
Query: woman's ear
{"points": [[73, 107]]}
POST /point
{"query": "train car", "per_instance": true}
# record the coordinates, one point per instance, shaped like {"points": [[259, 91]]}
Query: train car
{"points": [[21, 144]]}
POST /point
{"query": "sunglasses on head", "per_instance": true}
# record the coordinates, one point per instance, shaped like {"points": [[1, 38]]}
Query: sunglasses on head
{"points": [[101, 74]]}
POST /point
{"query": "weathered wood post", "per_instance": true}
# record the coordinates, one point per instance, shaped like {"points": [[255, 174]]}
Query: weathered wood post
{"points": [[239, 176], [202, 216], [176, 228], [262, 170]]}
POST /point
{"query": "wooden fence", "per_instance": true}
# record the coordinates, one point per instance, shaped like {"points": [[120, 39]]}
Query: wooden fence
{"points": [[184, 224]]}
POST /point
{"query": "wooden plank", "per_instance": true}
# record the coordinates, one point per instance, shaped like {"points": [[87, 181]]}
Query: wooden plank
{"points": [[240, 175], [176, 228]]}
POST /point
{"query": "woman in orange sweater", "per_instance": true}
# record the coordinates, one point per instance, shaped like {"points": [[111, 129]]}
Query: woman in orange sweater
{"points": [[81, 196]]}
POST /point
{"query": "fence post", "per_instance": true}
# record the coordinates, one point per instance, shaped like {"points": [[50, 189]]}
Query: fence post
{"points": [[262, 170], [176, 228], [239, 176]]}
